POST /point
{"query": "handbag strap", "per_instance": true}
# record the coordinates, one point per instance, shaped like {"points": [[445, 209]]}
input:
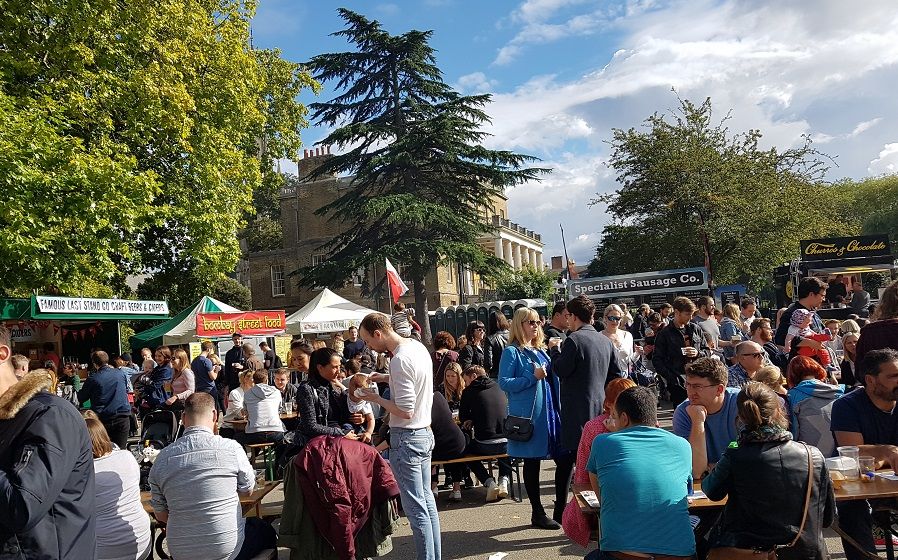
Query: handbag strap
{"points": [[807, 496], [532, 409]]}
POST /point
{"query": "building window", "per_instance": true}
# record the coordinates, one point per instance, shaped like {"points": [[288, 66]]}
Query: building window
{"points": [[358, 276], [318, 259], [278, 282]]}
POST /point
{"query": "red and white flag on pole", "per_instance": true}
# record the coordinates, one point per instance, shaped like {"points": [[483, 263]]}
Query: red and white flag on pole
{"points": [[397, 286]]}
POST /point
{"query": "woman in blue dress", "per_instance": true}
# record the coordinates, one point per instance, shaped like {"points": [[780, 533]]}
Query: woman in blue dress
{"points": [[524, 374]]}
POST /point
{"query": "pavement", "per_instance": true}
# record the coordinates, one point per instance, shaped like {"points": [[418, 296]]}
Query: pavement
{"points": [[472, 529]]}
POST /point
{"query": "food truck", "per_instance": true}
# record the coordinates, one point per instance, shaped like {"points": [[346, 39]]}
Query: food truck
{"points": [[827, 258]]}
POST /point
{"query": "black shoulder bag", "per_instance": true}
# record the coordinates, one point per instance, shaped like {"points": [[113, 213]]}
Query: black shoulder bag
{"points": [[519, 428]]}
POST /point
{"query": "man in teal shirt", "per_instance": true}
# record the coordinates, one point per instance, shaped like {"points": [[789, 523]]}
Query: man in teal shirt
{"points": [[644, 507]]}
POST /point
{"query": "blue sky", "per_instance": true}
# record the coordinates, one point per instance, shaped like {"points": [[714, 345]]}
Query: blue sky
{"points": [[563, 73]]}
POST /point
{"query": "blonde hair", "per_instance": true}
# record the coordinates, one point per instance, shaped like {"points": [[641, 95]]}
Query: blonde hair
{"points": [[357, 381], [612, 307], [453, 393], [183, 361], [850, 326], [770, 376], [516, 332], [731, 311]]}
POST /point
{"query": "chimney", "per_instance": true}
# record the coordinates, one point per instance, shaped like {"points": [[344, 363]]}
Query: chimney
{"points": [[312, 158], [557, 263]]}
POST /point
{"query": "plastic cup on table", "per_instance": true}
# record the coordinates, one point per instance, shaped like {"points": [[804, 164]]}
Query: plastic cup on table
{"points": [[867, 466], [849, 461]]}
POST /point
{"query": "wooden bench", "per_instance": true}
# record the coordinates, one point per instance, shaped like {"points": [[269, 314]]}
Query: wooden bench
{"points": [[267, 452], [516, 490]]}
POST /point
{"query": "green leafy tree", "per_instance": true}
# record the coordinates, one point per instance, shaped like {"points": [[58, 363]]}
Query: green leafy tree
{"points": [[874, 203], [419, 173], [144, 128], [527, 283], [692, 192]]}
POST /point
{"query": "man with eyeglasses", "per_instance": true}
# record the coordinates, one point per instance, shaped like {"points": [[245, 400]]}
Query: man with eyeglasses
{"points": [[749, 359], [762, 334], [708, 418]]}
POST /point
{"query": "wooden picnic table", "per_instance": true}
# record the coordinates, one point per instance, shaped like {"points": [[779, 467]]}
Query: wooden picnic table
{"points": [[247, 503], [240, 425], [695, 502]]}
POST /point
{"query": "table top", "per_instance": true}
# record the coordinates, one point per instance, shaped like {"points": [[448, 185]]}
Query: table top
{"points": [[850, 490], [243, 422], [878, 488], [695, 503], [246, 502]]}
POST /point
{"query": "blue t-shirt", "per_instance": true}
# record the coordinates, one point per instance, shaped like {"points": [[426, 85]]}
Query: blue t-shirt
{"points": [[855, 412], [720, 427], [644, 507], [201, 367]]}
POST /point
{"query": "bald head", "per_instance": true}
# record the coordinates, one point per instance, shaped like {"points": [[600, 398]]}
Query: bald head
{"points": [[750, 355]]}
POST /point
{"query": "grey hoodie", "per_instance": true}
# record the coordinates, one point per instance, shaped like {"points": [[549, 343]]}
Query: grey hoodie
{"points": [[263, 403], [811, 403]]}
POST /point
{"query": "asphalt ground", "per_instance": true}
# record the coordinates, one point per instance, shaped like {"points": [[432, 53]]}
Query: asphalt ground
{"points": [[472, 529]]}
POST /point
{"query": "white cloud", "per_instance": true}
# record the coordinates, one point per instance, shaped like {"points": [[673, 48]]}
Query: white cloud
{"points": [[788, 70], [887, 162], [476, 82]]}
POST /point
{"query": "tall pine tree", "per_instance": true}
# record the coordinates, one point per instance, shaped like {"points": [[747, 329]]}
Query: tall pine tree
{"points": [[420, 175]]}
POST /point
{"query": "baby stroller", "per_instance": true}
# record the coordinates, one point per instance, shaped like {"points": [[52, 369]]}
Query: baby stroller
{"points": [[160, 428]]}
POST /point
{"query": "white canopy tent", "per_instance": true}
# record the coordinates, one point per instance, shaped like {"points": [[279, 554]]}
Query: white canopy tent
{"points": [[327, 313]]}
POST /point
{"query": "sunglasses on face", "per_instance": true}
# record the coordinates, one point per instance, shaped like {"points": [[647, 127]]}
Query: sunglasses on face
{"points": [[615, 319], [752, 354], [532, 322]]}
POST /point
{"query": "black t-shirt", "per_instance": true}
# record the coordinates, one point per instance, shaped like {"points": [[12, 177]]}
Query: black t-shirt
{"points": [[856, 413]]}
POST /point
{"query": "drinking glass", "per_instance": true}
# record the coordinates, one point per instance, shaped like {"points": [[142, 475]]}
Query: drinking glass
{"points": [[867, 467], [288, 408], [849, 455]]}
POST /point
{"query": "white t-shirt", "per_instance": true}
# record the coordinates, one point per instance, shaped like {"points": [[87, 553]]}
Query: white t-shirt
{"points": [[411, 384], [235, 405], [361, 407], [123, 527]]}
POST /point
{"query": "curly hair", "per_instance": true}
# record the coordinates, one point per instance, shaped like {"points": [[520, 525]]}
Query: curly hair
{"points": [[804, 367]]}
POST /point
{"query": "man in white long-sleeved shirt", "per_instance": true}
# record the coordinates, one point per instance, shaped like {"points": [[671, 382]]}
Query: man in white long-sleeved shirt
{"points": [[411, 440]]}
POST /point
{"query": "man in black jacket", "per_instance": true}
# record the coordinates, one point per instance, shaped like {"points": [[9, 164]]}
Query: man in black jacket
{"points": [[558, 327], [233, 357], [585, 365], [483, 407], [46, 469], [676, 345]]}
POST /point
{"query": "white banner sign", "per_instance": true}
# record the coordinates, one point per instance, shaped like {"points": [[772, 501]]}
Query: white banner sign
{"points": [[327, 326], [55, 304]]}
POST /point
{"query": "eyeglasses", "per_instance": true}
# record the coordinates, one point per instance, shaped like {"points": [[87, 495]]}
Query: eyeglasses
{"points": [[615, 319], [532, 322], [479, 329], [696, 386], [752, 354]]}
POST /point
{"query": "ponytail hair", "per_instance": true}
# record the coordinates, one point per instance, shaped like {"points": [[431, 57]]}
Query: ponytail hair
{"points": [[758, 406]]}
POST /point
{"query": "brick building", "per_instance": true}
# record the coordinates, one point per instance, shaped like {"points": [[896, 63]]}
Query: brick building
{"points": [[268, 272]]}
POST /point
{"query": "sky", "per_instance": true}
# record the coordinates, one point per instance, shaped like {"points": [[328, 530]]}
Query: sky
{"points": [[564, 73]]}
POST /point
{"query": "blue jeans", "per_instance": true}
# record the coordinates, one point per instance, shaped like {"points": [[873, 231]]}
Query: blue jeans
{"points": [[410, 460]]}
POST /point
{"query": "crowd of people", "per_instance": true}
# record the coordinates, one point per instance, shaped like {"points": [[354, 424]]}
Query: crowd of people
{"points": [[759, 404]]}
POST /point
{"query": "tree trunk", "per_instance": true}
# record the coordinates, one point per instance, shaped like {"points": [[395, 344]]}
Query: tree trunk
{"points": [[706, 246], [421, 312]]}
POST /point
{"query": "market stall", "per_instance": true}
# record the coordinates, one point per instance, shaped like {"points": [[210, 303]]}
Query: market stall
{"points": [[849, 256], [180, 329], [68, 328], [327, 313]]}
